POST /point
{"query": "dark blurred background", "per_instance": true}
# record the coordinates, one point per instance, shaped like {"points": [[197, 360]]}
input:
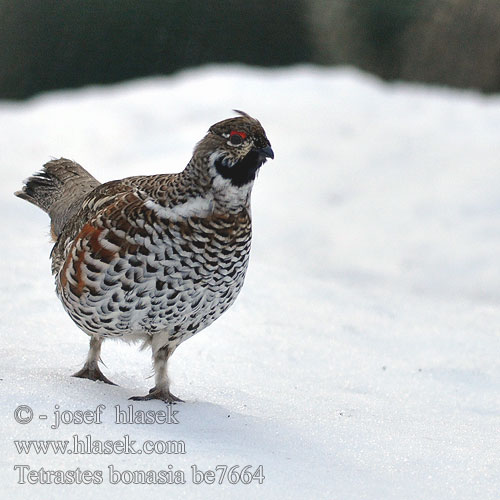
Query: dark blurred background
{"points": [[52, 44]]}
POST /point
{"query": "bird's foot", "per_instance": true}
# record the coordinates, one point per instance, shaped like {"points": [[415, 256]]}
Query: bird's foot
{"points": [[161, 394], [92, 372]]}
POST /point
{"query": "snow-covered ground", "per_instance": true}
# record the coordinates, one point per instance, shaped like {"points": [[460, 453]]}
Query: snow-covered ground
{"points": [[361, 360]]}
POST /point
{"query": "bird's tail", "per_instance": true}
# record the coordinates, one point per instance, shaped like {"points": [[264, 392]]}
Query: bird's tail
{"points": [[58, 189]]}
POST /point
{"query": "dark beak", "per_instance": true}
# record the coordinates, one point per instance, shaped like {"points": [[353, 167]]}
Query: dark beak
{"points": [[266, 152]]}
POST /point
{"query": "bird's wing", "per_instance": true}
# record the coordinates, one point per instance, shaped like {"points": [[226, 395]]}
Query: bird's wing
{"points": [[111, 217]]}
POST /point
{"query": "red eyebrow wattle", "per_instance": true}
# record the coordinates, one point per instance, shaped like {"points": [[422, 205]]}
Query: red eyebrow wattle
{"points": [[241, 134]]}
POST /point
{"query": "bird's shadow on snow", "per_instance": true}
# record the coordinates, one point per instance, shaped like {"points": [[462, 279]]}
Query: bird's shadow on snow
{"points": [[204, 426]]}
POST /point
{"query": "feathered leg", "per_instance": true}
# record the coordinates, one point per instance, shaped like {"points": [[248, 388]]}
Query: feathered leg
{"points": [[161, 390], [91, 368]]}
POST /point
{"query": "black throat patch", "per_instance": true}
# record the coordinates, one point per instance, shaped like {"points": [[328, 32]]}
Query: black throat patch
{"points": [[242, 172]]}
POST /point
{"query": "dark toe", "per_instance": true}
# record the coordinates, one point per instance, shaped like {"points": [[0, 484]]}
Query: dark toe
{"points": [[92, 374], [154, 393]]}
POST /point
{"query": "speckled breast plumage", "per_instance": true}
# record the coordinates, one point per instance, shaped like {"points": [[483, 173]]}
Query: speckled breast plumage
{"points": [[140, 275]]}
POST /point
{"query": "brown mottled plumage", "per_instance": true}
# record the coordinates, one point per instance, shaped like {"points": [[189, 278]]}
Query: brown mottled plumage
{"points": [[156, 258]]}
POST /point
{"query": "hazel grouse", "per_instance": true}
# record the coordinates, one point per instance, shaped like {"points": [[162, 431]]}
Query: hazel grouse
{"points": [[154, 258]]}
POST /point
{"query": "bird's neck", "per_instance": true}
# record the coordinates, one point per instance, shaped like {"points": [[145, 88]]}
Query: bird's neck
{"points": [[202, 179]]}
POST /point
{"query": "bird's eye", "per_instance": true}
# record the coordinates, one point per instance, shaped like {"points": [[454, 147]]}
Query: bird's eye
{"points": [[236, 138]]}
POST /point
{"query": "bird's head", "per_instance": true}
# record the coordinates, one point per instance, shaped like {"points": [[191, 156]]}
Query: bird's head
{"points": [[236, 148]]}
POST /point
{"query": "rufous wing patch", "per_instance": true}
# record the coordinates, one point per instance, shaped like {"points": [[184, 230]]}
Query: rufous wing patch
{"points": [[86, 242]]}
